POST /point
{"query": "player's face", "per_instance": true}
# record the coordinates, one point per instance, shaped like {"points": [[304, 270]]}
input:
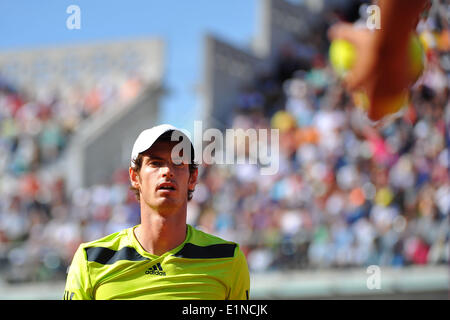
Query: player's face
{"points": [[164, 184]]}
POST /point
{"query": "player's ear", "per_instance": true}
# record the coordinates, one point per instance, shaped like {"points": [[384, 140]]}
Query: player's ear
{"points": [[134, 178], [193, 179]]}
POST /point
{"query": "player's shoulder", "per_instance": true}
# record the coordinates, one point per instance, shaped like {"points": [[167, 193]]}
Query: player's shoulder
{"points": [[112, 241], [203, 244], [201, 237]]}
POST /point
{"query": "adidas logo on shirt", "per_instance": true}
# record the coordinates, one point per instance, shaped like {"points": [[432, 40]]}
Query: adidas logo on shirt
{"points": [[156, 270]]}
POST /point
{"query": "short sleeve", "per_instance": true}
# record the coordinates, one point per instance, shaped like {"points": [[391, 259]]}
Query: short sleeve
{"points": [[240, 278], [78, 286]]}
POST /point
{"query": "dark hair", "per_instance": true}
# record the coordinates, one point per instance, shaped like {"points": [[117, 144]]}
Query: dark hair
{"points": [[137, 165]]}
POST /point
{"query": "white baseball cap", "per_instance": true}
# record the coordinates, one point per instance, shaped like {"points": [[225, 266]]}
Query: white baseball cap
{"points": [[147, 137]]}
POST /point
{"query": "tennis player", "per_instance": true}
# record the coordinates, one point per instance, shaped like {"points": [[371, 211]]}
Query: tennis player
{"points": [[163, 257]]}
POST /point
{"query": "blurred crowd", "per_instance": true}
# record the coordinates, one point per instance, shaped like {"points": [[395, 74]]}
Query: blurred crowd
{"points": [[345, 195], [36, 125]]}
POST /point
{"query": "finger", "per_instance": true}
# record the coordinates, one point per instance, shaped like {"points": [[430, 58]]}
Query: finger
{"points": [[352, 81], [344, 31], [362, 73]]}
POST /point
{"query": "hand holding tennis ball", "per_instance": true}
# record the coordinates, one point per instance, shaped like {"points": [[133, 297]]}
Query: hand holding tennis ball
{"points": [[343, 54], [379, 82]]}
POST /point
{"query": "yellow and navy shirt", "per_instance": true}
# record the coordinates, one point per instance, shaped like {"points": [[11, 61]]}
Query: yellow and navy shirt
{"points": [[117, 267]]}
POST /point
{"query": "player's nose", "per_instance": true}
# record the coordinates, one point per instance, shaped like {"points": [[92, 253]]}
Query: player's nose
{"points": [[167, 171]]}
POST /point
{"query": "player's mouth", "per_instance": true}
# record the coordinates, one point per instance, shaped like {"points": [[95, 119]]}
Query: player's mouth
{"points": [[166, 186]]}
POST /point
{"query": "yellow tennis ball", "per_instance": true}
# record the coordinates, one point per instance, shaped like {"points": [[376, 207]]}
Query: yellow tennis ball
{"points": [[416, 53], [390, 105], [342, 55]]}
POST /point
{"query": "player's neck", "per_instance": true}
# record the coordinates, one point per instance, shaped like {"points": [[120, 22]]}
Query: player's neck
{"points": [[159, 233]]}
